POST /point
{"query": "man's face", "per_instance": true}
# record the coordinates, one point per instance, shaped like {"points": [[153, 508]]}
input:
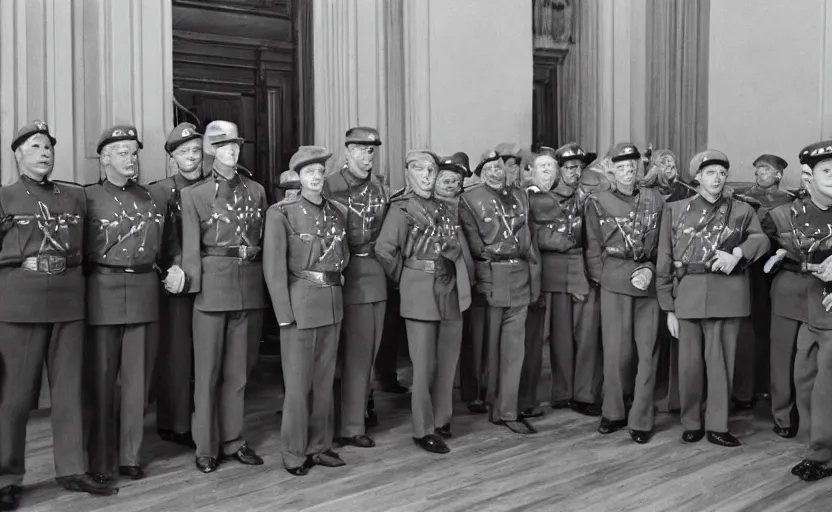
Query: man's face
{"points": [[188, 156], [712, 179], [767, 176], [625, 173], [494, 175], [512, 169], [421, 174], [36, 157], [447, 183], [668, 167], [570, 172], [227, 154], [312, 178], [544, 172], [820, 182], [360, 159], [123, 158]]}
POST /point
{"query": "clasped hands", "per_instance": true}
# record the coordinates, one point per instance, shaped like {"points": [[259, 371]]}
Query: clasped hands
{"points": [[174, 280]]}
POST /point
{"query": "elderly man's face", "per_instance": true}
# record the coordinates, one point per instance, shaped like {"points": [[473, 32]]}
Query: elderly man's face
{"points": [[624, 172], [494, 175], [360, 159], [421, 175], [712, 179], [668, 167], [227, 154], [122, 158], [36, 157], [188, 156], [767, 176], [447, 184], [312, 178], [544, 172], [570, 172]]}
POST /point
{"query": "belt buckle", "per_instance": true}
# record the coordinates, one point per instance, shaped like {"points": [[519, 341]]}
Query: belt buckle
{"points": [[51, 264], [242, 254]]}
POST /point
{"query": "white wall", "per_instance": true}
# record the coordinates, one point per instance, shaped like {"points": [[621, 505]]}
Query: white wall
{"points": [[770, 76], [480, 74]]}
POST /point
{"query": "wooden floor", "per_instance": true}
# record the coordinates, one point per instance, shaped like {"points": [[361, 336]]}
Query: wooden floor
{"points": [[566, 467]]}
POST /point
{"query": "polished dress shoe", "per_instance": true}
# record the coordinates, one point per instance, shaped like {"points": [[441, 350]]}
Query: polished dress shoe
{"points": [[814, 471], [586, 409], [329, 459], [10, 497], [131, 472], [518, 426], [431, 443], [640, 436], [303, 469], [207, 464], [359, 441], [532, 412], [101, 478], [444, 431], [185, 439], [723, 439], [561, 404], [87, 484], [785, 432], [246, 455], [370, 419], [610, 426], [693, 436], [801, 467], [477, 407]]}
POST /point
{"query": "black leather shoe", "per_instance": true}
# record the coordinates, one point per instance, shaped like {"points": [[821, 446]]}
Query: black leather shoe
{"points": [[101, 478], [801, 467], [785, 432], [303, 469], [533, 412], [245, 455], [723, 439], [370, 419], [477, 407], [586, 409], [207, 464], [431, 443], [610, 426], [562, 404], [185, 439], [359, 441], [518, 426], [814, 471], [392, 386], [329, 459], [640, 436], [693, 436], [131, 472], [10, 497], [87, 484], [444, 431]]}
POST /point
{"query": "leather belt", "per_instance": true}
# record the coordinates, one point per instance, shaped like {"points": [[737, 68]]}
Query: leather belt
{"points": [[136, 269], [367, 250], [695, 268], [798, 268], [321, 278], [51, 264], [428, 266], [513, 263], [244, 253]]}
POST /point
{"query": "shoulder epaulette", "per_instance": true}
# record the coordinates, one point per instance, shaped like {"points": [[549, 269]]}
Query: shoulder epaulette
{"points": [[398, 194], [245, 172], [289, 199], [340, 207], [93, 184]]}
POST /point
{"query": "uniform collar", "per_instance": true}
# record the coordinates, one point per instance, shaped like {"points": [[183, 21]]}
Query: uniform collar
{"points": [[111, 186], [232, 182], [353, 180], [185, 182], [43, 183]]}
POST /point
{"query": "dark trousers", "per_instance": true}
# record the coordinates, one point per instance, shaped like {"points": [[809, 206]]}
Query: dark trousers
{"points": [[117, 353], [387, 357], [23, 350], [361, 337], [783, 348], [813, 383], [505, 339], [223, 342], [629, 321], [667, 373], [706, 351], [472, 362], [174, 364], [308, 358], [434, 350]]}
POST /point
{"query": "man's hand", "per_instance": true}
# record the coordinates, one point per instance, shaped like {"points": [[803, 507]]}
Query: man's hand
{"points": [[175, 280], [673, 325], [827, 302], [774, 260], [724, 262], [641, 278], [824, 270]]}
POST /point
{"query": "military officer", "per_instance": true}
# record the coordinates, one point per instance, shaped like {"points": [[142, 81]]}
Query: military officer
{"points": [[622, 233], [813, 361], [306, 248], [510, 155], [452, 171], [494, 217], [175, 358], [705, 242], [124, 228], [421, 248], [41, 314], [222, 227], [365, 199]]}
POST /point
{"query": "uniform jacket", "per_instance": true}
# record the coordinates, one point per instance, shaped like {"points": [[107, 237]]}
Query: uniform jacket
{"points": [[417, 230], [692, 230], [497, 230], [220, 213], [365, 202], [170, 189], [46, 219], [124, 230], [802, 229], [622, 235], [304, 236]]}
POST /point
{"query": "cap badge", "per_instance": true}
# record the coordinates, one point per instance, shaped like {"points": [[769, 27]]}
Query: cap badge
{"points": [[117, 133], [821, 151], [371, 137], [41, 125], [628, 149], [130, 133], [492, 154], [186, 132]]}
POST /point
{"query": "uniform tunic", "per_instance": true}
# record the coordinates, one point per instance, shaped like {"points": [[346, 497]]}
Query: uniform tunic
{"points": [[222, 228], [708, 305], [41, 318], [622, 236], [306, 250]]}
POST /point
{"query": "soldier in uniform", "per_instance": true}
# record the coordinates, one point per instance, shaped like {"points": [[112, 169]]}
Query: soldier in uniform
{"points": [[175, 358], [452, 171], [363, 196], [306, 249], [705, 242], [42, 314], [222, 226], [494, 217], [622, 234], [421, 248], [566, 315], [124, 228]]}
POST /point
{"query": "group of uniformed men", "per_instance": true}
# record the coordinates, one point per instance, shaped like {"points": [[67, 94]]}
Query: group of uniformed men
{"points": [[490, 264]]}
